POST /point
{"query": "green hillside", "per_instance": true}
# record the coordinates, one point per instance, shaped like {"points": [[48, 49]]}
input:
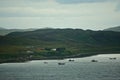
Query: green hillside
{"points": [[75, 42], [64, 36]]}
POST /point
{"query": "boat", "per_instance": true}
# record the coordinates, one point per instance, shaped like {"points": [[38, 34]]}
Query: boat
{"points": [[61, 63], [71, 60], [113, 58], [94, 60], [45, 62]]}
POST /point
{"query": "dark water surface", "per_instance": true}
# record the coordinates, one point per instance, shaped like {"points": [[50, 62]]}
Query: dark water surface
{"points": [[80, 69]]}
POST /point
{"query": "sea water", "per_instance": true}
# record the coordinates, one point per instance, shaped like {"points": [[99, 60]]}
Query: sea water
{"points": [[79, 69]]}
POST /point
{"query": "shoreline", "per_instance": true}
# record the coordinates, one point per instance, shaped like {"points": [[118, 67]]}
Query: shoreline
{"points": [[51, 58]]}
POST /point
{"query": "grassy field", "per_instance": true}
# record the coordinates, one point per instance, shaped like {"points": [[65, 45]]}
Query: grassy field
{"points": [[20, 53]]}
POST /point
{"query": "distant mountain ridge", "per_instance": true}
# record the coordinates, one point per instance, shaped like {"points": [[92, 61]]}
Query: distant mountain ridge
{"points": [[4, 31], [117, 29]]}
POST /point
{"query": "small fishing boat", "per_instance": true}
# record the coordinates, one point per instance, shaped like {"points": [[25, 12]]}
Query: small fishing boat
{"points": [[94, 60], [113, 58], [61, 63], [71, 60], [45, 62]]}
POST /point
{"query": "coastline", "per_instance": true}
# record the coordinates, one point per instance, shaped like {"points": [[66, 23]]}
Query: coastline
{"points": [[22, 60]]}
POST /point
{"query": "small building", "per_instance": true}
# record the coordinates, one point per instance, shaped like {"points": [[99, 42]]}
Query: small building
{"points": [[54, 49]]}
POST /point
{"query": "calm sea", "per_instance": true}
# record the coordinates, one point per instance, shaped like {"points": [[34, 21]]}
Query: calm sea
{"points": [[80, 69]]}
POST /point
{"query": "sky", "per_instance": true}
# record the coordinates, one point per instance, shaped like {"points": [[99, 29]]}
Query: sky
{"points": [[83, 14]]}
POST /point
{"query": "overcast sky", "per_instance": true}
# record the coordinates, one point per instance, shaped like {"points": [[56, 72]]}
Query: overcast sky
{"points": [[84, 14]]}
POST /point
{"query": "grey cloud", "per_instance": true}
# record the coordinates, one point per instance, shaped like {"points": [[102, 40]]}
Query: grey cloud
{"points": [[48, 13], [79, 1], [37, 0], [19, 3]]}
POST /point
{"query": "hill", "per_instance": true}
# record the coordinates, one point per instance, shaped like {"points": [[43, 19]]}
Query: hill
{"points": [[4, 31], [75, 36], [42, 43], [117, 29]]}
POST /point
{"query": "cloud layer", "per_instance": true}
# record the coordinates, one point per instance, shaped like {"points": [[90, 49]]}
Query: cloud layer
{"points": [[85, 14], [79, 1]]}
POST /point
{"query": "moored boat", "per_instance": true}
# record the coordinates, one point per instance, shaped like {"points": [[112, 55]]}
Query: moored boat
{"points": [[94, 60], [61, 63], [113, 58], [71, 60]]}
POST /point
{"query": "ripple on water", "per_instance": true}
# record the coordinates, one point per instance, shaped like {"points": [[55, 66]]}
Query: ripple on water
{"points": [[80, 69]]}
